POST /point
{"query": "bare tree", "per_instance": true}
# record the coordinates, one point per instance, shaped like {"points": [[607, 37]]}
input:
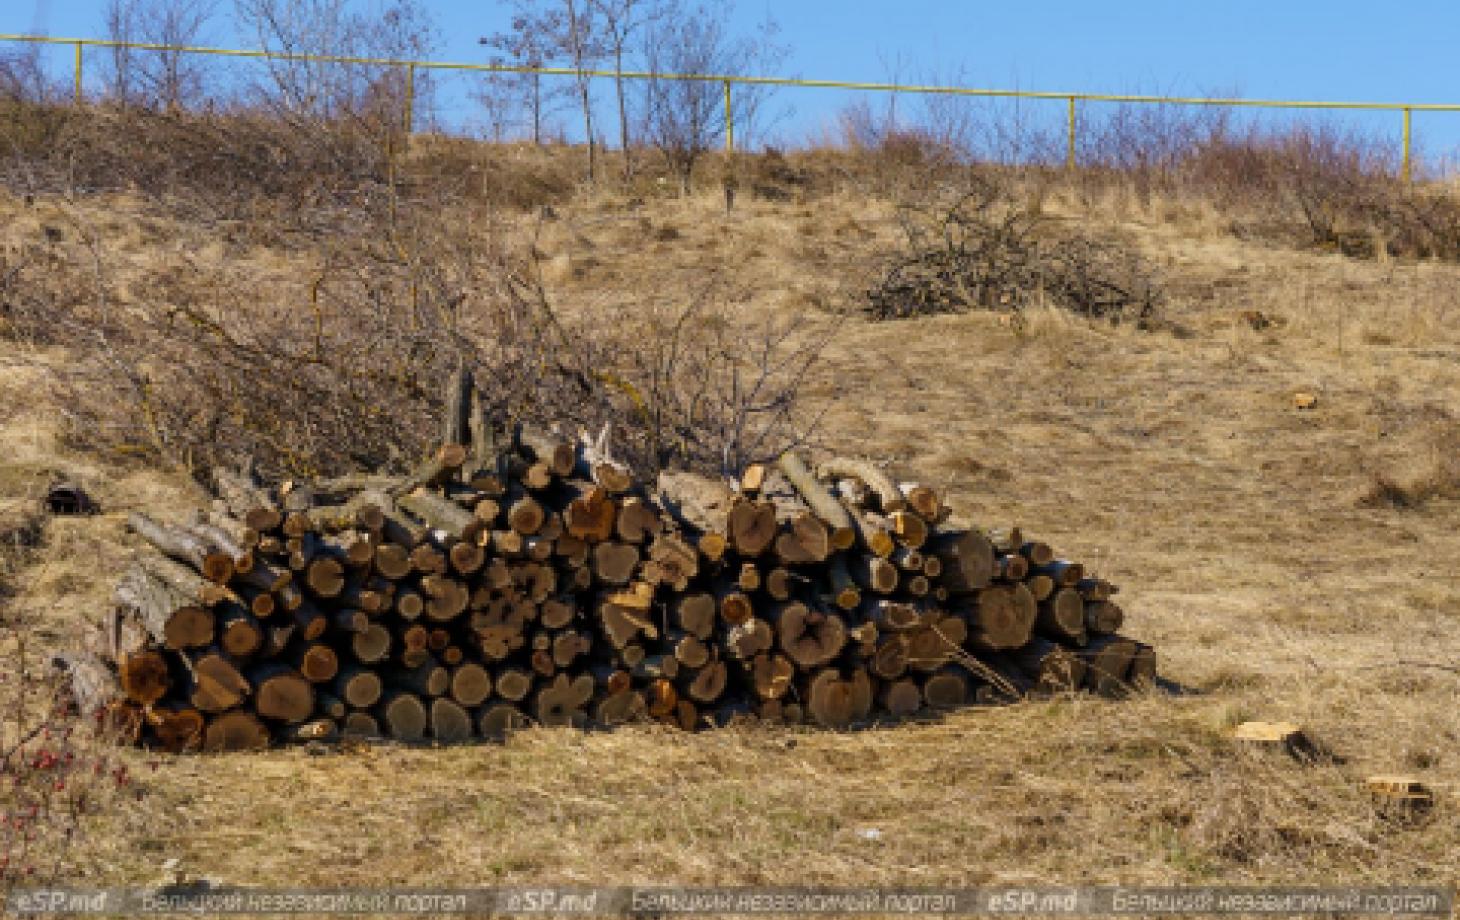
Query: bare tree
{"points": [[529, 43], [581, 43], [322, 90], [22, 78], [620, 20], [565, 31], [168, 78], [684, 119]]}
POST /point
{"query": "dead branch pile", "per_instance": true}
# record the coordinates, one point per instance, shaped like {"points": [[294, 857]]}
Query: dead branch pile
{"points": [[531, 579], [985, 253]]}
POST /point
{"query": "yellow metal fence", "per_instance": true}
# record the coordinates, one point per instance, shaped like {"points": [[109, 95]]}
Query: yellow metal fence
{"points": [[729, 81]]}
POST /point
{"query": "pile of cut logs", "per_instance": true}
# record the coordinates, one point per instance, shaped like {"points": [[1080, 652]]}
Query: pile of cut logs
{"points": [[532, 580]]}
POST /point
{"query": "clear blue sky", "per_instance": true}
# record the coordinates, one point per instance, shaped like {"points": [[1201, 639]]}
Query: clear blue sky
{"points": [[1335, 50]]}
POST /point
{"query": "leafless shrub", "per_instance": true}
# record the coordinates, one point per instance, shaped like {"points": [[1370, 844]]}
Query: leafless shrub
{"points": [[340, 371], [166, 78], [304, 91], [706, 386], [685, 119], [987, 251]]}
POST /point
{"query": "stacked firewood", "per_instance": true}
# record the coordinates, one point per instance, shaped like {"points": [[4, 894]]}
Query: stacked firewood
{"points": [[536, 582]]}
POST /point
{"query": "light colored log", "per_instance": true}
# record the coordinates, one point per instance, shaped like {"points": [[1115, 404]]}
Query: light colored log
{"points": [[841, 533]]}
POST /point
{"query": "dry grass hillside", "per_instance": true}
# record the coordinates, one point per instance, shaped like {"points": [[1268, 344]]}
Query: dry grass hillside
{"points": [[1286, 563]]}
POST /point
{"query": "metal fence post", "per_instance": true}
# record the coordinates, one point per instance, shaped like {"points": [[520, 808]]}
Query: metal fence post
{"points": [[410, 113], [80, 89], [1070, 138], [1405, 167], [729, 121]]}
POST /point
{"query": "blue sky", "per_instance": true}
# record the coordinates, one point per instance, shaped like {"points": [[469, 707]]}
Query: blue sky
{"points": [[1336, 50]]}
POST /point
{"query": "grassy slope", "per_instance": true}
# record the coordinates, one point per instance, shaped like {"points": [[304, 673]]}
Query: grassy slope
{"points": [[1175, 465]]}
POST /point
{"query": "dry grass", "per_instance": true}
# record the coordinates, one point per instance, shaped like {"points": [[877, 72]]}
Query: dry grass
{"points": [[1174, 462]]}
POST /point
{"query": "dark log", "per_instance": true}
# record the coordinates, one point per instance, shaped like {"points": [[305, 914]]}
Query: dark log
{"points": [[936, 644], [403, 716], [622, 625], [239, 632], [315, 661], [372, 645], [144, 676], [1108, 661], [281, 693], [810, 638], [358, 687], [1037, 553], [844, 591], [235, 730], [889, 660], [360, 725], [834, 701], [705, 684], [613, 562], [749, 638], [1065, 574], [909, 529], [1103, 617], [620, 708], [525, 515], [450, 722], [591, 514], [1040, 586], [1062, 617], [997, 618], [325, 577], [639, 521], [806, 540], [874, 573], [513, 684], [471, 684], [752, 526], [562, 702], [968, 559], [176, 727], [771, 675], [1054, 668], [901, 698], [890, 615], [499, 720], [924, 500], [695, 614], [946, 689], [447, 598]]}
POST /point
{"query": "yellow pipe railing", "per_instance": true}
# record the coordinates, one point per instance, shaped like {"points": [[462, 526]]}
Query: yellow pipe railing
{"points": [[730, 80]]}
